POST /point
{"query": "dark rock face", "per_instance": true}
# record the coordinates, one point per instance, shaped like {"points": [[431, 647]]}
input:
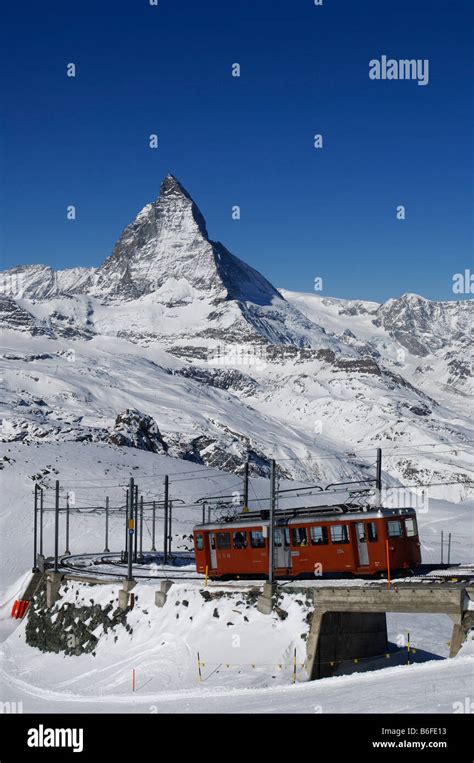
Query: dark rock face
{"points": [[134, 429], [227, 378], [12, 316], [420, 410], [356, 308], [67, 627], [228, 452], [459, 368]]}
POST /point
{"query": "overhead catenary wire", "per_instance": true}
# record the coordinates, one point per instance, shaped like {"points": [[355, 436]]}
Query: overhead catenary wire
{"points": [[352, 454], [88, 484]]}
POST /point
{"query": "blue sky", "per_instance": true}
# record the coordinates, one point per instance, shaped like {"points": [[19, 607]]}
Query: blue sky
{"points": [[248, 140]]}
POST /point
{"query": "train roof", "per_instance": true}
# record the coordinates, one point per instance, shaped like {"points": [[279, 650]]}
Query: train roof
{"points": [[283, 521]]}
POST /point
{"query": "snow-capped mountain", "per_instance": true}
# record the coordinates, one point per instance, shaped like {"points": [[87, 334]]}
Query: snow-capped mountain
{"points": [[187, 285], [175, 345]]}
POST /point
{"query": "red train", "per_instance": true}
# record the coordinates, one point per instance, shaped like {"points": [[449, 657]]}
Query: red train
{"points": [[351, 542]]}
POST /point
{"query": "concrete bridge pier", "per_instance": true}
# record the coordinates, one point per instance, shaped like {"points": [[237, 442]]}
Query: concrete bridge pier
{"points": [[53, 584], [457, 637], [161, 596], [337, 637], [350, 623], [125, 595]]}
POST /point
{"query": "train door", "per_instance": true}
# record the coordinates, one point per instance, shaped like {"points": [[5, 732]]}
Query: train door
{"points": [[281, 544], [362, 546], [212, 550]]}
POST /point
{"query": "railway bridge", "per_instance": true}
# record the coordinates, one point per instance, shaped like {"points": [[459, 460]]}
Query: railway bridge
{"points": [[352, 620]]}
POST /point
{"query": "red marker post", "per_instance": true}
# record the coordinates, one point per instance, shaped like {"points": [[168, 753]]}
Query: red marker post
{"points": [[388, 564]]}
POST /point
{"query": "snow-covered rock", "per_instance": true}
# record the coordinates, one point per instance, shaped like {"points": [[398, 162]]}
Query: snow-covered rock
{"points": [[134, 429]]}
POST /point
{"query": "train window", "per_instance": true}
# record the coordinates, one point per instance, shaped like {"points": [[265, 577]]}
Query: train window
{"points": [[319, 536], [199, 543], [256, 539], [281, 537], [223, 540], [340, 534], [372, 532], [410, 526], [299, 536], [394, 528], [361, 531], [240, 539]]}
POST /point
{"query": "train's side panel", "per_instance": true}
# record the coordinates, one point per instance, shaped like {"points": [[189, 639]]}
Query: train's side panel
{"points": [[223, 556], [241, 557], [320, 558]]}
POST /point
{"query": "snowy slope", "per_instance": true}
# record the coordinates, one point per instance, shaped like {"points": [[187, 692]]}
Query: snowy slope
{"points": [[246, 662], [310, 413], [433, 687]]}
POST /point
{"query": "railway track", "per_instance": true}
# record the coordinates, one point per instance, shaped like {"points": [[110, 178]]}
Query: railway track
{"points": [[110, 565], [87, 565]]}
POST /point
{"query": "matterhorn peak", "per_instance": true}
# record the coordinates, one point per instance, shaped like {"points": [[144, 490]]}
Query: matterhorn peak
{"points": [[170, 184], [167, 250], [166, 254], [175, 197]]}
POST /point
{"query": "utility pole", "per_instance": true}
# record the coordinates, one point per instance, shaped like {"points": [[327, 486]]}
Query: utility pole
{"points": [[56, 527], [141, 527], [165, 545], [204, 504], [153, 527], [135, 545], [130, 495], [67, 524], [41, 522], [246, 487], [35, 524], [170, 523], [126, 524], [106, 547], [379, 475], [271, 524]]}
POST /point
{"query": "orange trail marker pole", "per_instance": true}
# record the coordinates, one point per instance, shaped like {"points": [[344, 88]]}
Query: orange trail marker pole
{"points": [[199, 667], [207, 573], [388, 564]]}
